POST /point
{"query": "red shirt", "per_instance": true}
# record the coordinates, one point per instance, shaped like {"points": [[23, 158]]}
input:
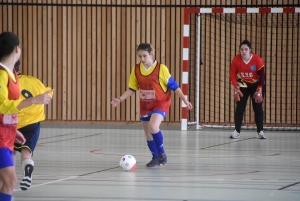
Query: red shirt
{"points": [[8, 122], [247, 74], [152, 95]]}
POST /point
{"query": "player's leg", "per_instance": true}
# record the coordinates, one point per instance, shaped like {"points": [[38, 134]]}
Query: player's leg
{"points": [[27, 166], [150, 142], [7, 174], [259, 115], [31, 133], [154, 127], [239, 112]]}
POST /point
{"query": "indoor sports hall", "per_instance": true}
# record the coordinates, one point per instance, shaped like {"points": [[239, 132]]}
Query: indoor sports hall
{"points": [[86, 49]]}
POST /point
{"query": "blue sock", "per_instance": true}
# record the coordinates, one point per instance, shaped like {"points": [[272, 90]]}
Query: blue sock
{"points": [[5, 197], [153, 149], [159, 141]]}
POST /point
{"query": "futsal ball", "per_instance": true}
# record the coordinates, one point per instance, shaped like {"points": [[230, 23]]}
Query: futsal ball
{"points": [[128, 162]]}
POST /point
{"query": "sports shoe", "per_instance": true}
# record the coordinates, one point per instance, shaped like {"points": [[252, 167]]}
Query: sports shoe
{"points": [[27, 179], [162, 158], [235, 135], [261, 135], [154, 162]]}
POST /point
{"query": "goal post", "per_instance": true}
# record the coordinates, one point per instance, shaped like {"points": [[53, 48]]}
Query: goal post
{"points": [[208, 86]]}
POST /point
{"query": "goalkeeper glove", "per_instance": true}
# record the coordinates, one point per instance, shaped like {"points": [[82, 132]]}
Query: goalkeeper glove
{"points": [[258, 95], [237, 94]]}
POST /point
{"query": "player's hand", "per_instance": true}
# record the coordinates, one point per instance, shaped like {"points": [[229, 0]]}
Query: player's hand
{"points": [[44, 98], [115, 101], [20, 138], [258, 95], [188, 105], [238, 94]]}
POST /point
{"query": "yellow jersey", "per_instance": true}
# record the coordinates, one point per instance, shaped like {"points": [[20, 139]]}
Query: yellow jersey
{"points": [[31, 87]]}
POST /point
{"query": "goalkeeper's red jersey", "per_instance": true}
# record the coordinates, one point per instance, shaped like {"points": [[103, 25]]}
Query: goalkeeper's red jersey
{"points": [[8, 118], [247, 74]]}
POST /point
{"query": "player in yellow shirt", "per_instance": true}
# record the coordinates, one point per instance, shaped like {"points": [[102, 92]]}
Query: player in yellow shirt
{"points": [[29, 123], [154, 83], [10, 105]]}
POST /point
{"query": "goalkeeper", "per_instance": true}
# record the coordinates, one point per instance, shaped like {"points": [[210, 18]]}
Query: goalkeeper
{"points": [[247, 76]]}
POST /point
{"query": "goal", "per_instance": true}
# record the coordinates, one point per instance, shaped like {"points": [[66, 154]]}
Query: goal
{"points": [[211, 38]]}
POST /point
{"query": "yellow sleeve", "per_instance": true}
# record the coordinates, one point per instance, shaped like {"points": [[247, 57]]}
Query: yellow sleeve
{"points": [[6, 106], [133, 83], [164, 76]]}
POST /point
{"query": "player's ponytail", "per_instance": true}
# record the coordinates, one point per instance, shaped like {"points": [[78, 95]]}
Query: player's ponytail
{"points": [[17, 66]]}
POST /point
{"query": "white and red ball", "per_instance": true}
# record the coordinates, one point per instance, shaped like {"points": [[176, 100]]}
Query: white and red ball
{"points": [[128, 162]]}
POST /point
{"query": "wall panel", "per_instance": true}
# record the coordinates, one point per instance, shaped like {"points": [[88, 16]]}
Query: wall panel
{"points": [[86, 49]]}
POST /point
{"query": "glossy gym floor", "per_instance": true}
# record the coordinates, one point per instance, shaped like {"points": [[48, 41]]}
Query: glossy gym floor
{"points": [[81, 163]]}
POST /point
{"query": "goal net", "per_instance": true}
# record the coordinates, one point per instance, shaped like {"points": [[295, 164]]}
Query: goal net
{"points": [[211, 38]]}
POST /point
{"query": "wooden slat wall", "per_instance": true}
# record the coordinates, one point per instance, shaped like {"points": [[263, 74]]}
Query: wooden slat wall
{"points": [[86, 54]]}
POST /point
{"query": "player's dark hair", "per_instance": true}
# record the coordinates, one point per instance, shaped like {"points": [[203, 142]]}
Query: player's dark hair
{"points": [[8, 42], [17, 66], [145, 47], [246, 42]]}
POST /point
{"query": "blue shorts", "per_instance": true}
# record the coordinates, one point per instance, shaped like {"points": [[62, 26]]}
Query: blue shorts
{"points": [[148, 116], [31, 133], [6, 158]]}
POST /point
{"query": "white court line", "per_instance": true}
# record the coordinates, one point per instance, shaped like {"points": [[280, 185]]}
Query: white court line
{"points": [[33, 186]]}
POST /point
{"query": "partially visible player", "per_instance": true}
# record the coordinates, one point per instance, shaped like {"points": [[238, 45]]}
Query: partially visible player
{"points": [[29, 123], [10, 105], [247, 76], [154, 83]]}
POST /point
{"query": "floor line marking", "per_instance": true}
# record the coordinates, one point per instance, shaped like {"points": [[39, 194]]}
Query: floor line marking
{"points": [[40, 144], [226, 143], [289, 186], [50, 182], [68, 178], [54, 136]]}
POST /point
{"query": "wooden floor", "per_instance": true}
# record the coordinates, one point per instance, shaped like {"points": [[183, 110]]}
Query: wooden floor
{"points": [[81, 163]]}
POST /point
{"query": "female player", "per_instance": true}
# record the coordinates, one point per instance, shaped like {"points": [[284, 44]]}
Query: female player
{"points": [[154, 83], [10, 104], [247, 76], [29, 120]]}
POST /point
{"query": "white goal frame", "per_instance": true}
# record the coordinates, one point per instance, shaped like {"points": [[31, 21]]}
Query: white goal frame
{"points": [[185, 57]]}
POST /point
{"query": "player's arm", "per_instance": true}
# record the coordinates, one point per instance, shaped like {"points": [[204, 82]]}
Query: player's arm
{"points": [[133, 87], [166, 79], [261, 73], [261, 77], [233, 73], [43, 98], [126, 94], [258, 97], [233, 78], [173, 85]]}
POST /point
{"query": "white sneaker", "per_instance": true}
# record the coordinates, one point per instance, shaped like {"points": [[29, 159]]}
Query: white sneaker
{"points": [[27, 179], [28, 166], [235, 135], [261, 135]]}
